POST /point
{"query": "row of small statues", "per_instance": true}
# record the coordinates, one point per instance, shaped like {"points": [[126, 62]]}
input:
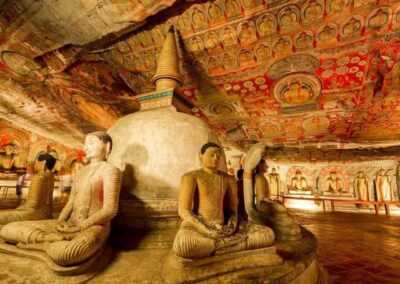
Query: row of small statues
{"points": [[334, 184], [208, 226]]}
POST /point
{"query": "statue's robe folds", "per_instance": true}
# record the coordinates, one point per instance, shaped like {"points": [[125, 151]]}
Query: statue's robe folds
{"points": [[361, 187], [38, 205], [93, 202], [191, 243]]}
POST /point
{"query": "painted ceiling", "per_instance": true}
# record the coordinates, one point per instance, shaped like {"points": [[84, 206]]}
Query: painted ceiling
{"points": [[283, 72]]}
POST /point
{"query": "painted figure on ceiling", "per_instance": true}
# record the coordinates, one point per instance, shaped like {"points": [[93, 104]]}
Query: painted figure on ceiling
{"points": [[379, 19], [327, 35], [263, 53], [199, 20], [335, 6], [247, 33], [313, 12], [215, 14], [229, 37], [361, 186], [334, 183], [288, 20], [266, 25], [295, 93], [352, 27], [232, 8]]}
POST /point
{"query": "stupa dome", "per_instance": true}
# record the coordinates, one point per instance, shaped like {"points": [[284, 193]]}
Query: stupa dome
{"points": [[155, 148], [157, 145]]}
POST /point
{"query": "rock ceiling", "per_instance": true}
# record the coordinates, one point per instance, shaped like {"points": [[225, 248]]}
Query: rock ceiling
{"points": [[283, 72]]}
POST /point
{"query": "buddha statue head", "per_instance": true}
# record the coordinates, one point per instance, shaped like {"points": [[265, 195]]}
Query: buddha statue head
{"points": [[9, 149], [262, 167], [46, 162], [98, 146], [210, 154]]}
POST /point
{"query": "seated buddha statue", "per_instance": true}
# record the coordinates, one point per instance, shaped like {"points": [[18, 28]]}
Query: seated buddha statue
{"points": [[38, 204], [83, 225], [260, 208], [208, 207], [8, 158]]}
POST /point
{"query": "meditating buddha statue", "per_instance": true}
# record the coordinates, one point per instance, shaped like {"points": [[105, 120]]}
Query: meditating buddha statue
{"points": [[38, 204], [84, 223], [8, 158], [260, 208], [208, 206]]}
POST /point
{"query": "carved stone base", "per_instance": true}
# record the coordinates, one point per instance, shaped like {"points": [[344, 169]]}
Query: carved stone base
{"points": [[88, 267], [180, 270]]}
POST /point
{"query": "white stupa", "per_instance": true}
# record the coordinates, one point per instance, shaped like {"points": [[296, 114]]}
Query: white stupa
{"points": [[157, 145]]}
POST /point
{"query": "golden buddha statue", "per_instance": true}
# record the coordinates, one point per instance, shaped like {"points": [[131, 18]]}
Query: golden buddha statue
{"points": [[205, 229], [38, 204], [8, 158], [361, 186], [274, 182], [261, 209], [83, 226], [334, 183]]}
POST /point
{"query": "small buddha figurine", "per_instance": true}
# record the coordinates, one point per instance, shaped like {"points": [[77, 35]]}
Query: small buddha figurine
{"points": [[361, 186], [38, 204], [274, 183], [299, 182], [84, 223], [205, 229], [261, 209], [8, 158], [334, 183]]}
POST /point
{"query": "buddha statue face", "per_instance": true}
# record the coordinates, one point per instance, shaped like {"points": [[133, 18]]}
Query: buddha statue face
{"points": [[262, 167], [210, 158], [95, 148], [333, 175], [9, 150], [273, 170]]}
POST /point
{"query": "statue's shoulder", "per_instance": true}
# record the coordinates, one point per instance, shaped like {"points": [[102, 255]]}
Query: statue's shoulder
{"points": [[192, 174], [226, 176], [107, 166], [260, 177]]}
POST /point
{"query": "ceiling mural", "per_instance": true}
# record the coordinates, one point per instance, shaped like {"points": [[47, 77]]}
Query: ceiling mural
{"points": [[282, 72]]}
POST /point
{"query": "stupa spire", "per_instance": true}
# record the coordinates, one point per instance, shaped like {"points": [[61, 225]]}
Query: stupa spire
{"points": [[167, 75]]}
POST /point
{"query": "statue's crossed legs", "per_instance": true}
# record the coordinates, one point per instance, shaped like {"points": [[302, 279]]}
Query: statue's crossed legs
{"points": [[64, 249], [189, 243]]}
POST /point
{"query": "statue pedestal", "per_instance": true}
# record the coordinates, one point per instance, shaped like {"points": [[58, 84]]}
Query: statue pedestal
{"points": [[287, 262]]}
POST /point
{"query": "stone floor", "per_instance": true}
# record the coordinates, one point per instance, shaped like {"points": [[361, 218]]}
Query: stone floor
{"points": [[353, 248], [356, 248]]}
